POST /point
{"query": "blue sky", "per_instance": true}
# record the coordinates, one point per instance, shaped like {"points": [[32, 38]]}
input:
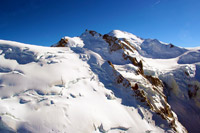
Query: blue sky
{"points": [[44, 22]]}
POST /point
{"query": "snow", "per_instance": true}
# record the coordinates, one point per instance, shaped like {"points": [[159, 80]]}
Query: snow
{"points": [[190, 57], [153, 48], [126, 35], [56, 91], [177, 67], [74, 41], [162, 65], [74, 89]]}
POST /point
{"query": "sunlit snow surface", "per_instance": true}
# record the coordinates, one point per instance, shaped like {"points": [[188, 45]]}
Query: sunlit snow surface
{"points": [[56, 91], [71, 89]]}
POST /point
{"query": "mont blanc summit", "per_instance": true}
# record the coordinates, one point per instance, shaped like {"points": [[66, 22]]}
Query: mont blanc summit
{"points": [[116, 82]]}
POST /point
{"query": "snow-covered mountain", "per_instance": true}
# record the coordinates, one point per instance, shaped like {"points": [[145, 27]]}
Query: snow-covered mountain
{"points": [[116, 82]]}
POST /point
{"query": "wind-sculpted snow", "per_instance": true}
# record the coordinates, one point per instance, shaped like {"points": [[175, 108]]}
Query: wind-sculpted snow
{"points": [[22, 56], [190, 58], [5, 70]]}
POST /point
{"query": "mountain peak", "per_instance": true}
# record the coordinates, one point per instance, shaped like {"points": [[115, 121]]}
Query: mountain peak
{"points": [[115, 82], [124, 34]]}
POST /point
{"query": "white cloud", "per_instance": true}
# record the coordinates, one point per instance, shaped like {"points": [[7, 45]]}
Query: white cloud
{"points": [[156, 3]]}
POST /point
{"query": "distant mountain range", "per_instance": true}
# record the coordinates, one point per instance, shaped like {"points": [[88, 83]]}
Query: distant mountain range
{"points": [[116, 82]]}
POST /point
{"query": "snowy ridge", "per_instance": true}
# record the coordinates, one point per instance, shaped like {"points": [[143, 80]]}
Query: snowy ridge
{"points": [[115, 82], [178, 68]]}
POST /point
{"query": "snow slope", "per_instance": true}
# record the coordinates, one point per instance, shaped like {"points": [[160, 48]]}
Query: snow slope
{"points": [[178, 68], [55, 90], [116, 82]]}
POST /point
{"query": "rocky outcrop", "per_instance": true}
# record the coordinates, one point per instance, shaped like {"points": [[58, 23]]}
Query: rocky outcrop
{"points": [[93, 33], [171, 45], [136, 63], [154, 81], [119, 78], [114, 43], [164, 109], [62, 42], [192, 92], [130, 47]]}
